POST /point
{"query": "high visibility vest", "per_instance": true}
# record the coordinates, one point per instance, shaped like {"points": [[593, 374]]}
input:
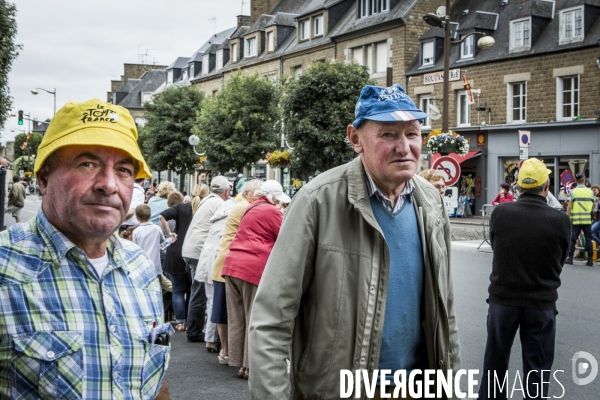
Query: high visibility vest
{"points": [[582, 206]]}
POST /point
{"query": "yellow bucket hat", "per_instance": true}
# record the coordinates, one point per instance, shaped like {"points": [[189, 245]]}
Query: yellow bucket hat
{"points": [[95, 123], [535, 172]]}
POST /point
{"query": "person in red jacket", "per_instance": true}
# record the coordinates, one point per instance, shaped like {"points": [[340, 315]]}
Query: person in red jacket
{"points": [[504, 196], [245, 263]]}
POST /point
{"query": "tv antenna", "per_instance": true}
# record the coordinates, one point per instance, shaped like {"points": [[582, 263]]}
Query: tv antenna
{"points": [[242, 12], [214, 20]]}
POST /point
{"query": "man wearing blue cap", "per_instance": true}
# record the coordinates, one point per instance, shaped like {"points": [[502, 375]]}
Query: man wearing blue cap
{"points": [[359, 278]]}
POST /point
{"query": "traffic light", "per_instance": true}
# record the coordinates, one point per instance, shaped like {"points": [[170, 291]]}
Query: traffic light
{"points": [[20, 117]]}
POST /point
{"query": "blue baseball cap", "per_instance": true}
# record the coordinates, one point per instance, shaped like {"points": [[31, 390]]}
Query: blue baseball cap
{"points": [[390, 104]]}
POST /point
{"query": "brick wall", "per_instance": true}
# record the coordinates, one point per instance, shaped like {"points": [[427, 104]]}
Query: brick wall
{"points": [[259, 7], [131, 71], [541, 86], [305, 60]]}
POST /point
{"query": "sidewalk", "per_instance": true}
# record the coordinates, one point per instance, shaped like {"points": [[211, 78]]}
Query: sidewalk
{"points": [[466, 228]]}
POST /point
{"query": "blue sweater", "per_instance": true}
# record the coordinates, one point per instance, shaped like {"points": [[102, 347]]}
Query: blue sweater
{"points": [[401, 346]]}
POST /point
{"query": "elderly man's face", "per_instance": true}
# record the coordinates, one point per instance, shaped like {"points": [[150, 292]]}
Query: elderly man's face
{"points": [[87, 194], [390, 151]]}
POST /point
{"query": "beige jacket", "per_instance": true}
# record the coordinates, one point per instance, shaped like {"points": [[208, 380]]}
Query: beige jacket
{"points": [[323, 292], [231, 227]]}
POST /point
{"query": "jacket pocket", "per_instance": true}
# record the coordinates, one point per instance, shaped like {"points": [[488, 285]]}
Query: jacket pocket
{"points": [[154, 370], [49, 364]]}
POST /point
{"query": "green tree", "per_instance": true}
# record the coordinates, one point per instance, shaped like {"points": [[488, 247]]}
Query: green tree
{"points": [[317, 108], [8, 53], [32, 144], [169, 121], [239, 125], [24, 163]]}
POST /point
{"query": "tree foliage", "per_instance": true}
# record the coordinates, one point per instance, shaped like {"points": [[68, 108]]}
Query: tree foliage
{"points": [[317, 108], [32, 144], [169, 121], [8, 53], [239, 125], [24, 163]]}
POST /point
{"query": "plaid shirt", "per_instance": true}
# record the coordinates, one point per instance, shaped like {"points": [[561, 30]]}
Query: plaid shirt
{"points": [[67, 334], [406, 194]]}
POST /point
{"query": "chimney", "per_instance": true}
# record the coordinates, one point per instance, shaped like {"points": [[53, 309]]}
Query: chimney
{"points": [[243, 20], [260, 7]]}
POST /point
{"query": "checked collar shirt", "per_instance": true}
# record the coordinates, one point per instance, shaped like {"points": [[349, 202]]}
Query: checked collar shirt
{"points": [[406, 194], [65, 332]]}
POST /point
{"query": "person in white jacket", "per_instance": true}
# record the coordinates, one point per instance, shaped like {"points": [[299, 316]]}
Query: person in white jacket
{"points": [[205, 265]]}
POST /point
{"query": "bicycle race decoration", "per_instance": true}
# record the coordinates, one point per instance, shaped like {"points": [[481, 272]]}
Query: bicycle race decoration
{"points": [[446, 143]]}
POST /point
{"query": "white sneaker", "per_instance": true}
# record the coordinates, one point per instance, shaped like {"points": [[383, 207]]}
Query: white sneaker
{"points": [[223, 359]]}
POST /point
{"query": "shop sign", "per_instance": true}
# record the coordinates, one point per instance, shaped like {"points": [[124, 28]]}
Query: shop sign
{"points": [[481, 139], [438, 77]]}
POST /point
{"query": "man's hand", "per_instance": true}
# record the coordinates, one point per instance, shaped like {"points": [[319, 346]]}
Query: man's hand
{"points": [[163, 394]]}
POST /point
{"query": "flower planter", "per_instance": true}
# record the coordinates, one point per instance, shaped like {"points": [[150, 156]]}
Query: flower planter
{"points": [[447, 149]]}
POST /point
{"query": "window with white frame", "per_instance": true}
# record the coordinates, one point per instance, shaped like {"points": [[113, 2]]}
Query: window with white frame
{"points": [[425, 102], [520, 35], [272, 78], [466, 48], [234, 52], [517, 102], [571, 25], [318, 25], [205, 62], [140, 121], [304, 29], [192, 71], [219, 60], [271, 41], [251, 47], [370, 7], [169, 76], [374, 56], [184, 73], [463, 110], [146, 97], [427, 53], [297, 71], [567, 95]]}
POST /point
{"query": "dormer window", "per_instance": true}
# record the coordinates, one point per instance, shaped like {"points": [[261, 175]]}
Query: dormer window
{"points": [[271, 41], [169, 76], [205, 61], [234, 52], [184, 74], [251, 47], [192, 71], [304, 29], [466, 48], [219, 60], [318, 25], [520, 34], [571, 25], [427, 54], [370, 7]]}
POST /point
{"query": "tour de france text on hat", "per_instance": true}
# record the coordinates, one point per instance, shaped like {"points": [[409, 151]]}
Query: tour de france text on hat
{"points": [[94, 123], [533, 173], [390, 104]]}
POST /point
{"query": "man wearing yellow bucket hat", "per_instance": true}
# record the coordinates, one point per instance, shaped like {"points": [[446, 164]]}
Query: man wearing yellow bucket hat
{"points": [[85, 307]]}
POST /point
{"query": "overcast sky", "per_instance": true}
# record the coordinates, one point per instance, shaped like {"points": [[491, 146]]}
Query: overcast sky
{"points": [[78, 47]]}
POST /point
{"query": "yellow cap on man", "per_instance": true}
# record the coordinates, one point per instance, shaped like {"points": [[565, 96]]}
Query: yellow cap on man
{"points": [[533, 173], [94, 123]]}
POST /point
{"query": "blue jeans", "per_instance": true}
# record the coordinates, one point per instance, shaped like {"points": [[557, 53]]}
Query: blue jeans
{"points": [[182, 284], [596, 232]]}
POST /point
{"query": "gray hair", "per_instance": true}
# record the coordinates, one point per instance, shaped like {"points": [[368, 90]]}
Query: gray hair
{"points": [[218, 191], [251, 186]]}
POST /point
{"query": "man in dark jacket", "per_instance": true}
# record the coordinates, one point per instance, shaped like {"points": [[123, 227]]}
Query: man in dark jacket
{"points": [[530, 242]]}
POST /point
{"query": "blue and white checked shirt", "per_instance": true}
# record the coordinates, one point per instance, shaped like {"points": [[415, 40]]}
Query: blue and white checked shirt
{"points": [[67, 334], [406, 194]]}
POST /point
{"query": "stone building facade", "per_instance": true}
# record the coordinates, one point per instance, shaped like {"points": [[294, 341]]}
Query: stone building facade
{"points": [[542, 76]]}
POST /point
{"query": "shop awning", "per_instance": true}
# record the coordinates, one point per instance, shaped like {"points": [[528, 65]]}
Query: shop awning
{"points": [[470, 154]]}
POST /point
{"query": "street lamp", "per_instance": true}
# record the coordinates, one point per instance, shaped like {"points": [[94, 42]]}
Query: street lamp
{"points": [[195, 141], [484, 42], [35, 91]]}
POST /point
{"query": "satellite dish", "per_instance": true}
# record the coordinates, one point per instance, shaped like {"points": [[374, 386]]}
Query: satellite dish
{"points": [[441, 11], [433, 112]]}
